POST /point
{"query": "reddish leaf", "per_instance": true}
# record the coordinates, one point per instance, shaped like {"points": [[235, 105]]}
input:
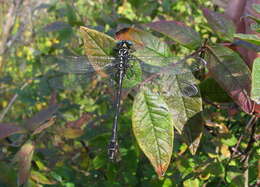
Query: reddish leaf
{"points": [[221, 24], [81, 121], [237, 9], [7, 129], [232, 74], [234, 11], [38, 119], [130, 34], [53, 99], [178, 32], [257, 110], [24, 158], [44, 126], [144, 42], [249, 10]]}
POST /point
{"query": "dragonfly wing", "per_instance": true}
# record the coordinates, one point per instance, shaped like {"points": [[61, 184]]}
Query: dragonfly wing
{"points": [[183, 85], [167, 84], [173, 64], [174, 77], [83, 64], [77, 71]]}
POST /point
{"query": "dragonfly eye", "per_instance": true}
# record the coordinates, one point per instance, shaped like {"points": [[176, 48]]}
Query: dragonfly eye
{"points": [[129, 43], [124, 43]]}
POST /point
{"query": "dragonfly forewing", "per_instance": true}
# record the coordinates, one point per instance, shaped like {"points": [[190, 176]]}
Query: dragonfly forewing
{"points": [[173, 64], [83, 64]]}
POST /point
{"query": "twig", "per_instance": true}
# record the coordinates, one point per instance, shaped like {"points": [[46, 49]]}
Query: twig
{"points": [[251, 123], [13, 100], [7, 28], [252, 137], [9, 23], [218, 106], [246, 172]]}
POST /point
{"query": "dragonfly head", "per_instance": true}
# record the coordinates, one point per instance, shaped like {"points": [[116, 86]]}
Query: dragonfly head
{"points": [[124, 43]]}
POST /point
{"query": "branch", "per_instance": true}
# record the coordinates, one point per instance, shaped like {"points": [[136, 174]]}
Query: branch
{"points": [[251, 141], [9, 24], [2, 115], [249, 127]]}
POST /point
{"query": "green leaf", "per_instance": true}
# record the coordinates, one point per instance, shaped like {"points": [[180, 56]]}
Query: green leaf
{"points": [[231, 73], [235, 177], [255, 87], [133, 75], [211, 90], [214, 168], [252, 38], [97, 43], [256, 7], [167, 183], [185, 110], [228, 139], [191, 183], [255, 27], [99, 161], [40, 178], [253, 18], [193, 128], [219, 23], [178, 32], [145, 44], [8, 177], [71, 133], [71, 14], [153, 128]]}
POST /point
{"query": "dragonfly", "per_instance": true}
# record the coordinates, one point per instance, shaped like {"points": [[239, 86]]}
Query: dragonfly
{"points": [[120, 64]]}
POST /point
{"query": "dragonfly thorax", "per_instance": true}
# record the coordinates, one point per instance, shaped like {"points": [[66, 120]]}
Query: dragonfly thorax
{"points": [[124, 48]]}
